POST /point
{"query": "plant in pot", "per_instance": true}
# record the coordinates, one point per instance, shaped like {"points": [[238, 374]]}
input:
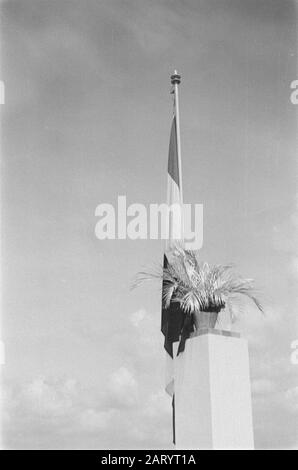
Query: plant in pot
{"points": [[201, 290]]}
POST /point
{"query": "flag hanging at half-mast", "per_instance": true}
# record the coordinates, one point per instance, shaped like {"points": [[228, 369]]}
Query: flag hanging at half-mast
{"points": [[172, 318]]}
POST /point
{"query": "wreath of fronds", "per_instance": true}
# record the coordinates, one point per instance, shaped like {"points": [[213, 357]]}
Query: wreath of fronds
{"points": [[196, 285]]}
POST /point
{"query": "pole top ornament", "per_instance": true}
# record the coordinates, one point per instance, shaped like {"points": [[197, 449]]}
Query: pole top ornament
{"points": [[175, 78]]}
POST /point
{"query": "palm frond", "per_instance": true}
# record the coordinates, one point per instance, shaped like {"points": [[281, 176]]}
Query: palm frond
{"points": [[190, 302], [196, 285], [168, 292], [150, 274]]}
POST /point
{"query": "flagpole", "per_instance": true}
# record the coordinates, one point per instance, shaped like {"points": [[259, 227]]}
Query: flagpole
{"points": [[175, 81]]}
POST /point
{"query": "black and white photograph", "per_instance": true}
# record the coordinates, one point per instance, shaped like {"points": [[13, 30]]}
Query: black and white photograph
{"points": [[149, 227]]}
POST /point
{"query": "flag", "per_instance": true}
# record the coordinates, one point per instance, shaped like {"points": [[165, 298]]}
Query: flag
{"points": [[172, 318]]}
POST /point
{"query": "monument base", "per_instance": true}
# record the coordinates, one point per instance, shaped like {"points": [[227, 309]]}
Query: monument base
{"points": [[212, 392]]}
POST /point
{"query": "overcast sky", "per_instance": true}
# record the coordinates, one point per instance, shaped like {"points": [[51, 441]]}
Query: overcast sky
{"points": [[87, 118]]}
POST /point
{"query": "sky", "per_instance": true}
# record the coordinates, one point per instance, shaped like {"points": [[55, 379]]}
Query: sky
{"points": [[86, 118]]}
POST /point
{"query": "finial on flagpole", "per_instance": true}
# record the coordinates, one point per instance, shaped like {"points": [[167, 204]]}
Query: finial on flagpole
{"points": [[175, 78]]}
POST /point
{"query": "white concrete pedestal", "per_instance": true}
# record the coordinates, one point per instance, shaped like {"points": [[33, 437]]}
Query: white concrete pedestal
{"points": [[212, 393]]}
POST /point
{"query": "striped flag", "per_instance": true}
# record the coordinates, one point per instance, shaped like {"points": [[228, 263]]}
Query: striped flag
{"points": [[172, 318]]}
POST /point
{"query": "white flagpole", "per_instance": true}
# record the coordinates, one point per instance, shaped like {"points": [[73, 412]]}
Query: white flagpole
{"points": [[175, 80]]}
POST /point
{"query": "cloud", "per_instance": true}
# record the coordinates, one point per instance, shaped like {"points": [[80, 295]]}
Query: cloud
{"points": [[61, 413], [123, 410], [92, 420], [137, 317], [123, 387], [158, 404], [49, 399], [278, 429]]}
